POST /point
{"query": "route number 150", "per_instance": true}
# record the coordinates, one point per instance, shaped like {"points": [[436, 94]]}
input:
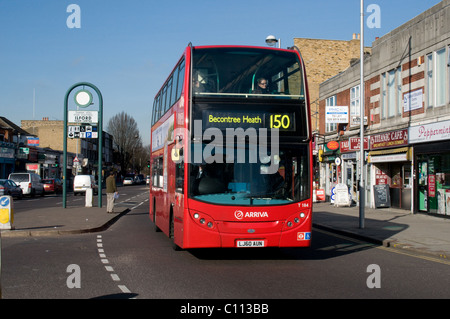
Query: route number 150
{"points": [[280, 121]]}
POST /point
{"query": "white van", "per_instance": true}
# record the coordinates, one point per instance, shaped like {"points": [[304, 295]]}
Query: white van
{"points": [[83, 182], [29, 182]]}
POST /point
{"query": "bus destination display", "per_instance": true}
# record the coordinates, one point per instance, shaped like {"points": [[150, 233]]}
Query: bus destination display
{"points": [[223, 120]]}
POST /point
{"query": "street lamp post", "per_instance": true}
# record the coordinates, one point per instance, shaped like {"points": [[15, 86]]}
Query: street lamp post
{"points": [[271, 41], [361, 122]]}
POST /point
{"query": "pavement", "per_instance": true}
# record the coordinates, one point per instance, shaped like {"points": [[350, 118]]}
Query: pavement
{"points": [[51, 221], [388, 227]]}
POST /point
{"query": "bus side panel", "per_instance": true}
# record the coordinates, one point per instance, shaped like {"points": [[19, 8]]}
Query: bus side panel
{"points": [[158, 208]]}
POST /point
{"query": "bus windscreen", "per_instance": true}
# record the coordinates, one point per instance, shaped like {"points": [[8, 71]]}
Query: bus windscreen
{"points": [[247, 72]]}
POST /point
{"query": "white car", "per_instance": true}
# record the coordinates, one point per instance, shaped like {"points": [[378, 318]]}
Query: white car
{"points": [[83, 182], [128, 181], [29, 182]]}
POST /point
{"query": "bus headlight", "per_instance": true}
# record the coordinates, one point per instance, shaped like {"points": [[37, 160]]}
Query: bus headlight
{"points": [[295, 220], [202, 219]]}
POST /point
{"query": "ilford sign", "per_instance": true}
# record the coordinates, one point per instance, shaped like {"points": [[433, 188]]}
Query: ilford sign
{"points": [[83, 117]]}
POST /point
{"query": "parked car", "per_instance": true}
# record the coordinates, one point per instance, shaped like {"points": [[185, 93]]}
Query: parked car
{"points": [[29, 182], [139, 179], [8, 187], [52, 185], [83, 182], [128, 181]]}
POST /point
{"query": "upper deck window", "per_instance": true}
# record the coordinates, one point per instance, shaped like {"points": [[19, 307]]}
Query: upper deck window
{"points": [[246, 72]]}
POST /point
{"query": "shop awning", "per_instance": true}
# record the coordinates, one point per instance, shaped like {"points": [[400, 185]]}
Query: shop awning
{"points": [[390, 155]]}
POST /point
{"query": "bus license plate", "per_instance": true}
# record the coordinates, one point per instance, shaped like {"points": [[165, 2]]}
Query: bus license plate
{"points": [[250, 243]]}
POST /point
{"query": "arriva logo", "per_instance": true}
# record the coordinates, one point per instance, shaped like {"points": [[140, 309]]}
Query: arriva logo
{"points": [[239, 214]]}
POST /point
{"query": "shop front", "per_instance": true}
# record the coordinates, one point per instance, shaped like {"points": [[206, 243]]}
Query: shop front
{"points": [[330, 170], [391, 165], [432, 167], [350, 152], [7, 153]]}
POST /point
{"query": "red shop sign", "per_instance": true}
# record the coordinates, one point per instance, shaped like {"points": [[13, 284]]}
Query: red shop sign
{"points": [[333, 145]]}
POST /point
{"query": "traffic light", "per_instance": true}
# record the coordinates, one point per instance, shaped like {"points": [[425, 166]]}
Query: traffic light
{"points": [[148, 164]]}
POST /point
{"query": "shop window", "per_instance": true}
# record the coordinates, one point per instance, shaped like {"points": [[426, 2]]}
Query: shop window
{"points": [[406, 176], [434, 183]]}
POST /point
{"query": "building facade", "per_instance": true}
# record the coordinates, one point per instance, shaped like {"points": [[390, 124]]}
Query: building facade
{"points": [[14, 151], [407, 118], [324, 59], [82, 154]]}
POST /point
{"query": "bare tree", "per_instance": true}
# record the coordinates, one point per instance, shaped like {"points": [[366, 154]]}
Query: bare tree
{"points": [[127, 140]]}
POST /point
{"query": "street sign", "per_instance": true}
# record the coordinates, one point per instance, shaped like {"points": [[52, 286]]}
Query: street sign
{"points": [[82, 131], [83, 117], [6, 212], [336, 114], [83, 98]]}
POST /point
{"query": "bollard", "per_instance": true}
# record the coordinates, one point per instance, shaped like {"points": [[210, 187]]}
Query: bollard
{"points": [[89, 197], [6, 212]]}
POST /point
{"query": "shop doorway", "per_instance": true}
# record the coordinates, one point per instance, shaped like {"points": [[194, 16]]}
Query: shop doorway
{"points": [[398, 176], [350, 179]]}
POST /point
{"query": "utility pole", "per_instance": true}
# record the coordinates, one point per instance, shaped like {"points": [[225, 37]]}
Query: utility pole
{"points": [[361, 122]]}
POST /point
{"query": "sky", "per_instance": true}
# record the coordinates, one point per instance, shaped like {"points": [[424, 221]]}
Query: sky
{"points": [[128, 48]]}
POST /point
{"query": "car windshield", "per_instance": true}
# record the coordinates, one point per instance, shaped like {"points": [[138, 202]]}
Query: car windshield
{"points": [[243, 181]]}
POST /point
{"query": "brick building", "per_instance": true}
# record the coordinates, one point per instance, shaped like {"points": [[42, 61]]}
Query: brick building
{"points": [[51, 133], [323, 60], [408, 117]]}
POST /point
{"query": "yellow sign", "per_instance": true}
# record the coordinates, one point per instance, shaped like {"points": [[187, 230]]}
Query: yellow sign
{"points": [[4, 215]]}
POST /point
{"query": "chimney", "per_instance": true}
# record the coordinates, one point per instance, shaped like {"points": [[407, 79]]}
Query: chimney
{"points": [[354, 36]]}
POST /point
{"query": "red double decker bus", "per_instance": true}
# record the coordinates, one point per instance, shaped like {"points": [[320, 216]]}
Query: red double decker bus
{"points": [[231, 158]]}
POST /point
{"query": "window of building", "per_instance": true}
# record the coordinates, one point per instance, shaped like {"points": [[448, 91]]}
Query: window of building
{"points": [[430, 86], [355, 97], [399, 90], [383, 96], [440, 77], [436, 78], [331, 127], [391, 93]]}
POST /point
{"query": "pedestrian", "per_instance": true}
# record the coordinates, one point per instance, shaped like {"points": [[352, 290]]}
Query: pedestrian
{"points": [[111, 192]]}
